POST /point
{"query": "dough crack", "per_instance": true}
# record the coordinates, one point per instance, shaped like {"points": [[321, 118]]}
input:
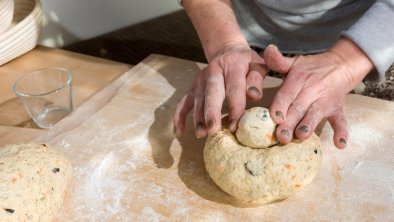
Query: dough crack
{"points": [[253, 169]]}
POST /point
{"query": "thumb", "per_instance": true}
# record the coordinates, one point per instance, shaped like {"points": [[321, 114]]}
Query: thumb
{"points": [[276, 61]]}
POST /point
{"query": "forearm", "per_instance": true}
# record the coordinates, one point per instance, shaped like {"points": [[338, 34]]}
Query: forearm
{"points": [[373, 33], [216, 25], [354, 60]]}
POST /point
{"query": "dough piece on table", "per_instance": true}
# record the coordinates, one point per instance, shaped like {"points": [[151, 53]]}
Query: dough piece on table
{"points": [[260, 176], [256, 129], [33, 182]]}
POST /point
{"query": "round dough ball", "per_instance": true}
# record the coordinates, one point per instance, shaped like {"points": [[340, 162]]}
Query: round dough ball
{"points": [[256, 129], [33, 181], [261, 176]]}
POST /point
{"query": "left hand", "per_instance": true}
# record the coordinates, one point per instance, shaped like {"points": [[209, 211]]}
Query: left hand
{"points": [[314, 88]]}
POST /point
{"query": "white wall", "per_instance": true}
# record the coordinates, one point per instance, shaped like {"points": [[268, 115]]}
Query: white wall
{"points": [[68, 21]]}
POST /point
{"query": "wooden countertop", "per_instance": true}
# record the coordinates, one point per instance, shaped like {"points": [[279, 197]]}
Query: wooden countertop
{"points": [[90, 75], [129, 166]]}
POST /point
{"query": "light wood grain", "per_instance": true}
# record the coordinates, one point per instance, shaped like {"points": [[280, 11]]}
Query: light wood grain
{"points": [[90, 74], [13, 135], [129, 166]]}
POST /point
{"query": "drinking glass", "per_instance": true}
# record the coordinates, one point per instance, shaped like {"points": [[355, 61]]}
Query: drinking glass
{"points": [[46, 95]]}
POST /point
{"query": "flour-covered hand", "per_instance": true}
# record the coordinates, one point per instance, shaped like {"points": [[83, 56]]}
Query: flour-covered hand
{"points": [[314, 88], [236, 72]]}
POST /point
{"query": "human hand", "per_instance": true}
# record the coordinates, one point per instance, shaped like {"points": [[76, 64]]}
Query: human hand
{"points": [[234, 73], [314, 88]]}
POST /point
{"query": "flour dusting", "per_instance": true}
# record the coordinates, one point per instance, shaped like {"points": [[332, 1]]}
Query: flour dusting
{"points": [[105, 178], [150, 215], [116, 176]]}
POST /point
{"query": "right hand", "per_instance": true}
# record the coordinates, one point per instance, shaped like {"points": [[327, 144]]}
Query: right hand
{"points": [[236, 72]]}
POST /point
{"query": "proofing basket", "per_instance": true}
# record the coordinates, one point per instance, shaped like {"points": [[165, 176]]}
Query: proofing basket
{"points": [[24, 32], [6, 14]]}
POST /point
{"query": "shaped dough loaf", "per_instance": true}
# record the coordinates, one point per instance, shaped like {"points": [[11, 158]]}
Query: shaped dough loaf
{"points": [[261, 175]]}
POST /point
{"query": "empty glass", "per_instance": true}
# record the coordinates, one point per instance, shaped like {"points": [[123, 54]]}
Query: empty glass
{"points": [[46, 95]]}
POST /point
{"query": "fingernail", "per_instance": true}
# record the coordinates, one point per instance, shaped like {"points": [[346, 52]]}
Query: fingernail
{"points": [[253, 90], [286, 134], [279, 114], [304, 129], [271, 46], [343, 141], [233, 125]]}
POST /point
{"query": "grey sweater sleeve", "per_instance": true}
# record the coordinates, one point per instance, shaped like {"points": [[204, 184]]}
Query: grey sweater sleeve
{"points": [[374, 34]]}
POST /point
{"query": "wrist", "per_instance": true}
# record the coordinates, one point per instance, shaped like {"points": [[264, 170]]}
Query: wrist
{"points": [[216, 25], [225, 48], [353, 60]]}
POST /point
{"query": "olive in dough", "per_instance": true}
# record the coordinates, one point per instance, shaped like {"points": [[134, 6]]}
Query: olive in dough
{"points": [[261, 175], [33, 181], [256, 129]]}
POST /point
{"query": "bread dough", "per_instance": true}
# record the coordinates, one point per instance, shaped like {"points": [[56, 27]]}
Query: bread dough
{"points": [[33, 182], [261, 175], [256, 129]]}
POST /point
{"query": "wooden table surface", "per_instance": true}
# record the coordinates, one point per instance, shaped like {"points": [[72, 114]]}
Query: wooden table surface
{"points": [[90, 75], [129, 166]]}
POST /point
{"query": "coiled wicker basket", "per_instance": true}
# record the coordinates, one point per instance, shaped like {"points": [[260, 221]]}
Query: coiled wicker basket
{"points": [[24, 32], [6, 13]]}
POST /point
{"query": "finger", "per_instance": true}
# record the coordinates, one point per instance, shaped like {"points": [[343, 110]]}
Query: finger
{"points": [[182, 109], [285, 96], [254, 80], [198, 117], [305, 100], [339, 125], [283, 134], [312, 118], [198, 112], [294, 115], [235, 94], [214, 97], [276, 61]]}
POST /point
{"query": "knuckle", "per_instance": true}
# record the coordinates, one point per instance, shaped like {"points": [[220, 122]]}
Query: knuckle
{"points": [[254, 78], [314, 110], [198, 97], [299, 108], [258, 68], [286, 95], [233, 90], [214, 92], [314, 116], [341, 119]]}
